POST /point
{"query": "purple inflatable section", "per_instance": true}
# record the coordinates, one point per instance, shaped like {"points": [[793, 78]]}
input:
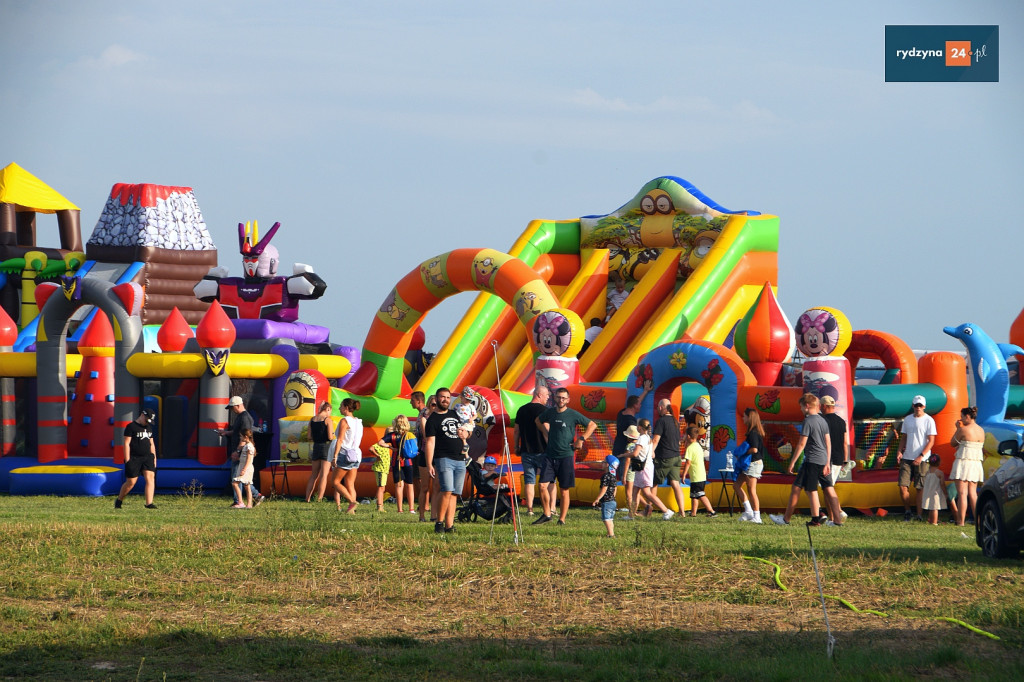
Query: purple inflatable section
{"points": [[299, 332], [354, 356]]}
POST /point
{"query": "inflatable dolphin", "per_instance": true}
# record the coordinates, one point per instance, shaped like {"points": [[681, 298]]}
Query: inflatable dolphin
{"points": [[987, 371]]}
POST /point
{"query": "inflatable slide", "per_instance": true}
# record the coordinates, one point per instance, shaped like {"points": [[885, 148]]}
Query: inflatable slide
{"points": [[691, 267]]}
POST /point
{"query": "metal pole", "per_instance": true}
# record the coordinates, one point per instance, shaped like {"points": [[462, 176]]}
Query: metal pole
{"points": [[506, 463], [831, 643]]}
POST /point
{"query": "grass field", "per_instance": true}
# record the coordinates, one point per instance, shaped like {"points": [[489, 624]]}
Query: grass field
{"points": [[290, 591]]}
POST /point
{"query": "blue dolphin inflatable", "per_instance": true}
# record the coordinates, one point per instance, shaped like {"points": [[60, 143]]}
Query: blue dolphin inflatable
{"points": [[988, 373]]}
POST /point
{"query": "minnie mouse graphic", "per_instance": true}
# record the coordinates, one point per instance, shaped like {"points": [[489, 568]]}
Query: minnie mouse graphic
{"points": [[817, 333], [552, 333]]}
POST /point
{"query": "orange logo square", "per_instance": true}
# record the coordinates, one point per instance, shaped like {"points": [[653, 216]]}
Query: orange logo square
{"points": [[958, 53]]}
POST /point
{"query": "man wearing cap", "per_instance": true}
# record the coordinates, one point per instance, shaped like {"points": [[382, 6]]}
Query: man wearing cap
{"points": [[917, 436], [840, 437], [815, 469], [243, 420], [139, 457]]}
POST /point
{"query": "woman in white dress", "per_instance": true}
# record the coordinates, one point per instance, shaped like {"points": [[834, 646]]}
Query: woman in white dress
{"points": [[967, 471]]}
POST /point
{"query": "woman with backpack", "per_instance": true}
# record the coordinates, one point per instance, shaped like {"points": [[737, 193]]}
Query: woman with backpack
{"points": [[404, 451]]}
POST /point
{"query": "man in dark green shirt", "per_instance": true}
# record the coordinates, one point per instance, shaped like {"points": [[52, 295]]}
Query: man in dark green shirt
{"points": [[558, 424]]}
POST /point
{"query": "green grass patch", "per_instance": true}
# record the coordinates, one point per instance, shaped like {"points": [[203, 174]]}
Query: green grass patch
{"points": [[291, 591]]}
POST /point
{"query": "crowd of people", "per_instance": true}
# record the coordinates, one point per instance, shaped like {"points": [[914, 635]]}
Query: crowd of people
{"points": [[426, 458]]}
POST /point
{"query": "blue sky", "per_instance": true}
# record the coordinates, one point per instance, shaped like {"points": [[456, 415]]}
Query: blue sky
{"points": [[380, 134]]}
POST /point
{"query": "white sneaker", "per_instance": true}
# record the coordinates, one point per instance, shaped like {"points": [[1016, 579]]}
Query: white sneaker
{"points": [[667, 515], [843, 516], [747, 516], [830, 522], [779, 519], [755, 519]]}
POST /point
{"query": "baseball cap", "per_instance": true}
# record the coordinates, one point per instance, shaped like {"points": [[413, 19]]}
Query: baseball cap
{"points": [[612, 461], [150, 414], [490, 460], [235, 400], [918, 400], [828, 400]]}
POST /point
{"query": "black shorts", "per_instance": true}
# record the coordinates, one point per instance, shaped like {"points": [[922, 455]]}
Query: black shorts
{"points": [[406, 474], [810, 477], [321, 452], [134, 467], [562, 469], [697, 489]]}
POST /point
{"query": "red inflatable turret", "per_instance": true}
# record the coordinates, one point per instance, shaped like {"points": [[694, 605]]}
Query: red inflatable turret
{"points": [[90, 427]]}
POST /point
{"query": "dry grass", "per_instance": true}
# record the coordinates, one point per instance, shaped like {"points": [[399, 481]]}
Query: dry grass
{"points": [[191, 586]]}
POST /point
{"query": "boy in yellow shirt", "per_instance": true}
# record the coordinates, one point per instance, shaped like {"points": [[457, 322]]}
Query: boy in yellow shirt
{"points": [[693, 464]]}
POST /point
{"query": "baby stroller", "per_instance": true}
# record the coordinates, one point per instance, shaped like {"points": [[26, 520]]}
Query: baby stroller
{"points": [[485, 502]]}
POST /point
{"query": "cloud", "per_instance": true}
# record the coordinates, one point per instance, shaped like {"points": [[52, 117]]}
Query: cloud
{"points": [[112, 57]]}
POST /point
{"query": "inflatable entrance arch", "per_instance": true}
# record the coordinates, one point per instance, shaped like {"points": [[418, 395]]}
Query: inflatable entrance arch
{"points": [[434, 280], [122, 304], [718, 368]]}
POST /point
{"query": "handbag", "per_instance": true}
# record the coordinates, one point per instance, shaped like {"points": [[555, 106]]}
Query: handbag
{"points": [[348, 458]]}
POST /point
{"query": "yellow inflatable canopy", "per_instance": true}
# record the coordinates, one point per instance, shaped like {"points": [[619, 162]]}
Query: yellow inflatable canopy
{"points": [[29, 193]]}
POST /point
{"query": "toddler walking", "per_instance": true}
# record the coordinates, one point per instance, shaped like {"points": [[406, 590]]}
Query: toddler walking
{"points": [[246, 452], [606, 495], [933, 495]]}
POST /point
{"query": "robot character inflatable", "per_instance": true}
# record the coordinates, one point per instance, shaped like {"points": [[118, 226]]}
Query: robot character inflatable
{"points": [[261, 294]]}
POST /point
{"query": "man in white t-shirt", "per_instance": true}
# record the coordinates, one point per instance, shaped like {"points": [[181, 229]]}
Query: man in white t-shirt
{"points": [[917, 436]]}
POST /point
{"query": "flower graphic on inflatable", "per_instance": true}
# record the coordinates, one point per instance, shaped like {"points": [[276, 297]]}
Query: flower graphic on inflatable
{"points": [[643, 374], [712, 375], [769, 401], [593, 401], [720, 437], [678, 360]]}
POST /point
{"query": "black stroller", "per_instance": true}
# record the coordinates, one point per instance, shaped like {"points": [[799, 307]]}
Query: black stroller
{"points": [[485, 502]]}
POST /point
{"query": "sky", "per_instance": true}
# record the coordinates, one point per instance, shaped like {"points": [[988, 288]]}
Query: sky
{"points": [[383, 133]]}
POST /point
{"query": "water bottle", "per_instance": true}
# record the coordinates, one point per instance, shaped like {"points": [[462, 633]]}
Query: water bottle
{"points": [[728, 461]]}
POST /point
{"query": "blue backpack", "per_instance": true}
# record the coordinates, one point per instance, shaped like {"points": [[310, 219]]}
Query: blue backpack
{"points": [[409, 449]]}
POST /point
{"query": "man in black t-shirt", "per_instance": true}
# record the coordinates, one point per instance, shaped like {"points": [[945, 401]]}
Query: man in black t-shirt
{"points": [[139, 457], [243, 420], [530, 443], [667, 460], [840, 437], [445, 450]]}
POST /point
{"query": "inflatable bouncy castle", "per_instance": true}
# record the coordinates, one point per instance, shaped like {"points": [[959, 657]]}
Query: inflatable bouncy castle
{"points": [[684, 289]]}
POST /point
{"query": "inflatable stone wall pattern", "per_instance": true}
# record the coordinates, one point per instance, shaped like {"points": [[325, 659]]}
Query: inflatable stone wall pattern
{"points": [[172, 223]]}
